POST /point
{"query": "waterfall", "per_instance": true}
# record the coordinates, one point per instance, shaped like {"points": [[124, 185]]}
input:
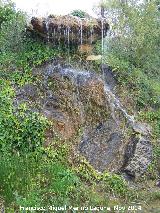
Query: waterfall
{"points": [[72, 36], [91, 32], [102, 45], [47, 29], [68, 36], [115, 104], [113, 101], [75, 74], [81, 31]]}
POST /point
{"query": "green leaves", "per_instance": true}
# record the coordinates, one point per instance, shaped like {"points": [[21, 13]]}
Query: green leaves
{"points": [[12, 26], [78, 13], [21, 130], [136, 47]]}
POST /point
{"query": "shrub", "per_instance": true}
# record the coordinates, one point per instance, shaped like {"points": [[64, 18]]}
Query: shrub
{"points": [[30, 181], [12, 27], [78, 13], [135, 46], [21, 130]]}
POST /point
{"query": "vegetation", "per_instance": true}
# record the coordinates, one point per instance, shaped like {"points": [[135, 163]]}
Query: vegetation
{"points": [[30, 173], [78, 13], [12, 27], [133, 53], [134, 50]]}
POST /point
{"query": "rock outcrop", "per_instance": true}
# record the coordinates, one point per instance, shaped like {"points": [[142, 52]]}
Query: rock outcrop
{"points": [[138, 157], [75, 99], [69, 29]]}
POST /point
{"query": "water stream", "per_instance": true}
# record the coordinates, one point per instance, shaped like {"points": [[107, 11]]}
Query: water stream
{"points": [[75, 75], [68, 36], [102, 46], [47, 29], [114, 102], [81, 31]]}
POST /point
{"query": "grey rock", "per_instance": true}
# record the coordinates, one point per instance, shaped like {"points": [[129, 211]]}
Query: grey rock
{"points": [[72, 99], [28, 91], [102, 145], [140, 159], [142, 128], [110, 77]]}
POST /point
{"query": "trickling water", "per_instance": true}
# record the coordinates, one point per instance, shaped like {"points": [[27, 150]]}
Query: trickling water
{"points": [[113, 101], [102, 45], [68, 36], [72, 36], [115, 104], [91, 33], [64, 34], [47, 29], [81, 31]]}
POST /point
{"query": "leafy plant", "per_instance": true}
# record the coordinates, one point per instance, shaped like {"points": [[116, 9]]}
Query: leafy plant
{"points": [[30, 181], [20, 129], [78, 13], [133, 48], [12, 27]]}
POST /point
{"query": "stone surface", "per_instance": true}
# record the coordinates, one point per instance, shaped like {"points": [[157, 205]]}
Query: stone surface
{"points": [[69, 29], [85, 49], [103, 146], [109, 75], [93, 57], [140, 158], [75, 99]]}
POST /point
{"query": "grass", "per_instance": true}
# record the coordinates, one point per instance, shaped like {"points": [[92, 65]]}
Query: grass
{"points": [[36, 180]]}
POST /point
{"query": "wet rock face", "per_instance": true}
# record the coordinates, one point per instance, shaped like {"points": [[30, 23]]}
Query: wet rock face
{"points": [[69, 29], [109, 76], [73, 99], [103, 146]]}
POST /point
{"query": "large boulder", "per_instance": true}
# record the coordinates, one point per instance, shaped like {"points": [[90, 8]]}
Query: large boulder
{"points": [[76, 100], [69, 29]]}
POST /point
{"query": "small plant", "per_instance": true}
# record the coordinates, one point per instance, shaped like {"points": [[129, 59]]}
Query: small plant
{"points": [[115, 184], [112, 182], [29, 181], [20, 129], [78, 13]]}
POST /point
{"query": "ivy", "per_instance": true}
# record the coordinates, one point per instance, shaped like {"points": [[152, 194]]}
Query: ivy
{"points": [[20, 129]]}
